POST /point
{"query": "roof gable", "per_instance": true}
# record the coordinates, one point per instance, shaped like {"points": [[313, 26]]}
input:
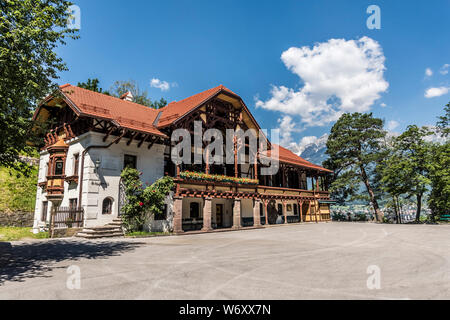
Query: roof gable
{"points": [[124, 113]]}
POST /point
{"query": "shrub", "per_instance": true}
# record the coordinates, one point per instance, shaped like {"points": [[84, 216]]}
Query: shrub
{"points": [[140, 200]]}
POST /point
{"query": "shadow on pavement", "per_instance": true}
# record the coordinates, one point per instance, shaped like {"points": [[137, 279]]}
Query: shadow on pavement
{"points": [[29, 260]]}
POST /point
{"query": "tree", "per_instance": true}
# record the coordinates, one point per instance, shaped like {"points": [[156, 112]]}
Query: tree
{"points": [[393, 176], [93, 85], [30, 31], [444, 122], [354, 150], [139, 96], [439, 200], [414, 159]]}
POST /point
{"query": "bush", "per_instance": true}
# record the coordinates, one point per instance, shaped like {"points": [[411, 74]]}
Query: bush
{"points": [[140, 200]]}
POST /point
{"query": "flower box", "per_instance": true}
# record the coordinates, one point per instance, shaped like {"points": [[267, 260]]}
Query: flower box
{"points": [[198, 176]]}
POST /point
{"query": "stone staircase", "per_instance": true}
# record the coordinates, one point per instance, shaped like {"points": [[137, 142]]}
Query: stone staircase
{"points": [[111, 230]]}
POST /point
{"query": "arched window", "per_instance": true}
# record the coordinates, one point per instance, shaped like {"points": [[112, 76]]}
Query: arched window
{"points": [[107, 206]]}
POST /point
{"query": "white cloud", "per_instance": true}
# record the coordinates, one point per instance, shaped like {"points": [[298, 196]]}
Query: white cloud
{"points": [[444, 69], [162, 85], [338, 75], [383, 105], [392, 125], [436, 92], [287, 127], [428, 72]]}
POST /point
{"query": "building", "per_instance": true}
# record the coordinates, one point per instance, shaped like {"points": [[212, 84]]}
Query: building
{"points": [[92, 137]]}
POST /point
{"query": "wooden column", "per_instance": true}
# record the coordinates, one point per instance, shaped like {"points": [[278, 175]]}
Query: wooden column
{"points": [[257, 213], [207, 215], [285, 212], [266, 203], [315, 211], [309, 211], [300, 205], [178, 215], [236, 167], [237, 214]]}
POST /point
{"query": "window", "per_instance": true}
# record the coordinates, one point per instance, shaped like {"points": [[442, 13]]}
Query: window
{"points": [[44, 211], [130, 161], [194, 210], [163, 215], [59, 168], [76, 161], [295, 209], [107, 206], [261, 210], [73, 203]]}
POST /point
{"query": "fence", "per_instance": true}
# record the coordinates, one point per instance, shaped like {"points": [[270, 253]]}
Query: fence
{"points": [[66, 218]]}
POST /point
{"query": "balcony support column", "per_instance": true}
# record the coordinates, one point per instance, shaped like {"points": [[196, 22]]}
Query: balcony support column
{"points": [[257, 213], [178, 215], [285, 211], [207, 215], [237, 214]]}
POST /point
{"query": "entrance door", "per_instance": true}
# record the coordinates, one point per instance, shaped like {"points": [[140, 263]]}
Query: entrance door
{"points": [[219, 215]]}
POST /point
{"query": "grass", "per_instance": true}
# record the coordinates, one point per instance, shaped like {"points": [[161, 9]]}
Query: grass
{"points": [[15, 234], [17, 192], [143, 234]]}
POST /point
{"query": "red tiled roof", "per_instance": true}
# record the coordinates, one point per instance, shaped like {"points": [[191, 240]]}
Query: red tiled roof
{"points": [[288, 156], [176, 110], [127, 114]]}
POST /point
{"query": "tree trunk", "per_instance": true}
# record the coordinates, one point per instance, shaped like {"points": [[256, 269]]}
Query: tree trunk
{"points": [[397, 215], [419, 207], [399, 211], [373, 200]]}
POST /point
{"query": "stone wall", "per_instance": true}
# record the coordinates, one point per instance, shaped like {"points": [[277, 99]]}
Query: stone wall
{"points": [[16, 219]]}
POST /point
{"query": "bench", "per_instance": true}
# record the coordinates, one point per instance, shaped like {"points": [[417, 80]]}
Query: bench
{"points": [[445, 217]]}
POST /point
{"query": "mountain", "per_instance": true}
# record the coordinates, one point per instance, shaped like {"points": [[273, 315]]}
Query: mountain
{"points": [[315, 151]]}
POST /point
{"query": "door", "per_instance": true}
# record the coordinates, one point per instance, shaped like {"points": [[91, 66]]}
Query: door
{"points": [[219, 215]]}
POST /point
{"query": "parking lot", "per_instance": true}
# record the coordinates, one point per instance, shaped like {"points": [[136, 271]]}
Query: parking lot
{"points": [[308, 261]]}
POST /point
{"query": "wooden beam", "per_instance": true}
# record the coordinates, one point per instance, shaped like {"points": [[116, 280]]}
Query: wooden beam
{"points": [[150, 145], [111, 130], [132, 138], [142, 141], [124, 131]]}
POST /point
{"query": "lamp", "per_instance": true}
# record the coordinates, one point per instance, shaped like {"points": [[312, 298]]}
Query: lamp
{"points": [[97, 164]]}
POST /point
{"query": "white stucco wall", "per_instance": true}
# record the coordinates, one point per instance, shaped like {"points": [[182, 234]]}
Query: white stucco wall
{"points": [[105, 182]]}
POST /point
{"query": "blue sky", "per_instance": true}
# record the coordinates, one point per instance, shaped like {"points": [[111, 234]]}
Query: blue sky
{"points": [[196, 45]]}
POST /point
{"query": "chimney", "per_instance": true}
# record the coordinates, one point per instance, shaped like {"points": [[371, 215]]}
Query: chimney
{"points": [[127, 96]]}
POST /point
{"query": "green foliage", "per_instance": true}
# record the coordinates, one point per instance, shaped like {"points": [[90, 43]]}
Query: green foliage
{"points": [[139, 96], [17, 191], [30, 32], [439, 199], [16, 234], [93, 85], [142, 201], [354, 150], [444, 122]]}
